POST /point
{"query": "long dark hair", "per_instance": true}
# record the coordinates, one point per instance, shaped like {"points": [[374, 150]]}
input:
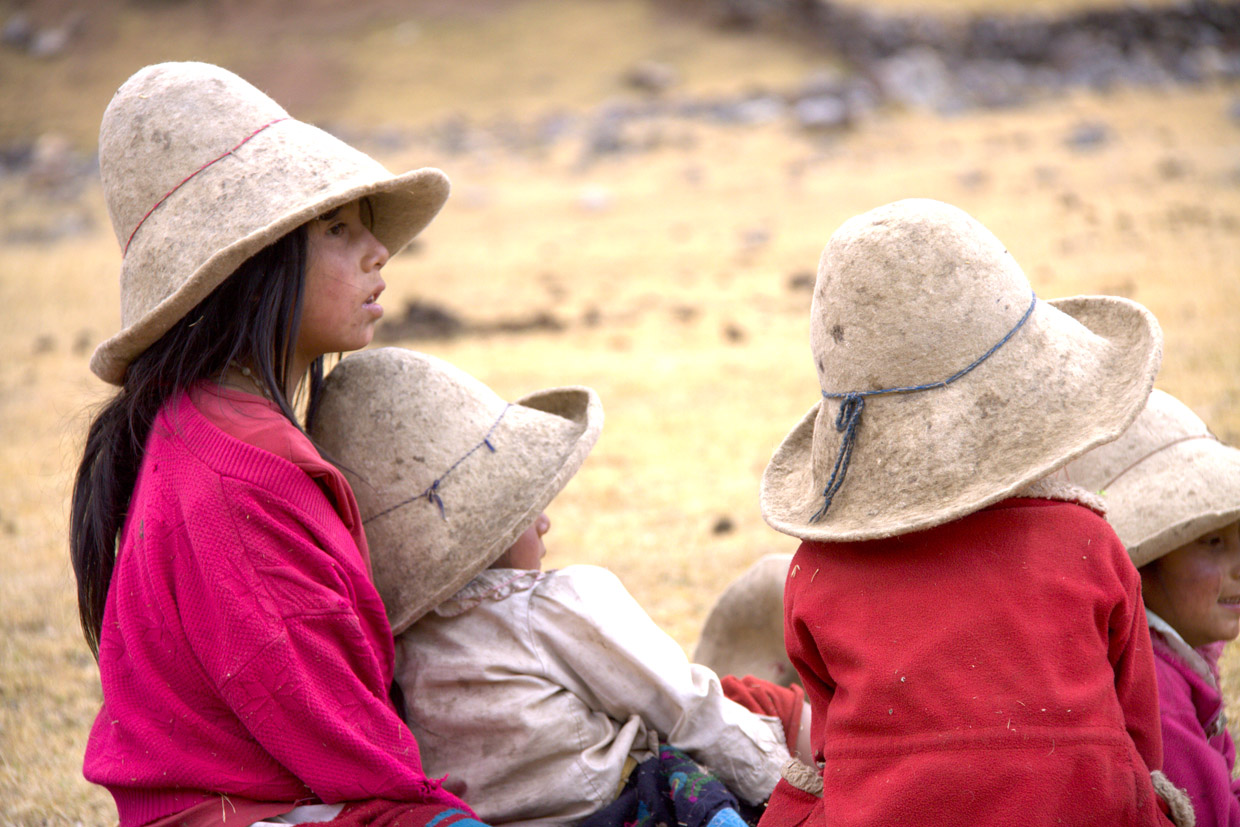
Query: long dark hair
{"points": [[250, 319]]}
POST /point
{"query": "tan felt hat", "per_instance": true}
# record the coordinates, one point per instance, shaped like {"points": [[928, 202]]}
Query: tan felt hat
{"points": [[447, 474], [947, 385], [201, 171], [1166, 481], [744, 632]]}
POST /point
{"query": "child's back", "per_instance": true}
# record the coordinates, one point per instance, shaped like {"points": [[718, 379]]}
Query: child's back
{"points": [[995, 668], [972, 650]]}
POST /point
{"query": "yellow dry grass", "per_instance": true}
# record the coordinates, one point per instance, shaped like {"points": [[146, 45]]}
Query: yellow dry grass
{"points": [[676, 297]]}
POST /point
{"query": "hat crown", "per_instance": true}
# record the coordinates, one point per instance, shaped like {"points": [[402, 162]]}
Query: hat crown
{"points": [[421, 417], [446, 473], [164, 124], [909, 294], [1165, 421], [947, 385], [201, 171], [1165, 481]]}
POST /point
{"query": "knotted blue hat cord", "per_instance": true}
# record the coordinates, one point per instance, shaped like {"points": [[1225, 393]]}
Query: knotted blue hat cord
{"points": [[431, 493], [849, 416]]}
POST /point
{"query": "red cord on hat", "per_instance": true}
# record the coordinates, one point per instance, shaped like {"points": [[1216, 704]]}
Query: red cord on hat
{"points": [[192, 174]]}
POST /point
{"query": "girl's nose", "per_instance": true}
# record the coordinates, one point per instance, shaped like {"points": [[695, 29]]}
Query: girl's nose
{"points": [[542, 524], [378, 254]]}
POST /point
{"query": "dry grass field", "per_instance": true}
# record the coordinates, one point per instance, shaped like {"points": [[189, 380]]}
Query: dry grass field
{"points": [[675, 274]]}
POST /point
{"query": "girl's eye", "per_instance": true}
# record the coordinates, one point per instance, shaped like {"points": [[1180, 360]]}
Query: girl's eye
{"points": [[338, 228], [1212, 540]]}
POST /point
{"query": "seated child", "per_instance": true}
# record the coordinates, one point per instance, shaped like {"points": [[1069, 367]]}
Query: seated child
{"points": [[1172, 492], [970, 638], [544, 696]]}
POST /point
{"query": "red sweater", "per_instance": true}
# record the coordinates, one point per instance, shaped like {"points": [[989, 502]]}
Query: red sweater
{"points": [[993, 670], [245, 652]]}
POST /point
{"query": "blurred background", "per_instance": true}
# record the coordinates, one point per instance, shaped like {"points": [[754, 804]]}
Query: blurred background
{"points": [[641, 190]]}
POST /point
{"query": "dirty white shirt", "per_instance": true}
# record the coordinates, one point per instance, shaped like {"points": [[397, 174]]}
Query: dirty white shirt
{"points": [[533, 688]]}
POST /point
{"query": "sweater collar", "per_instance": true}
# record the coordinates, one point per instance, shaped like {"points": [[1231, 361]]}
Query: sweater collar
{"points": [[1192, 658], [489, 585], [257, 422]]}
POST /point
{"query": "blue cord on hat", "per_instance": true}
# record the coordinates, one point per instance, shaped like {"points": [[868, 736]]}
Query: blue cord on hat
{"points": [[849, 416], [431, 493]]}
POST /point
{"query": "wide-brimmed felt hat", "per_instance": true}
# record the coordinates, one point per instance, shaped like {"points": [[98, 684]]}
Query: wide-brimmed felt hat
{"points": [[1166, 481], [946, 385], [201, 171], [446, 473], [744, 631]]}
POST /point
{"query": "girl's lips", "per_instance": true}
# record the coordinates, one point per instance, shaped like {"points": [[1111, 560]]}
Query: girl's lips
{"points": [[372, 302], [1230, 603]]}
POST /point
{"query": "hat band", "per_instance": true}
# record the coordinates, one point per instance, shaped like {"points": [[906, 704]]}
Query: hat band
{"points": [[431, 492], [1157, 450], [187, 178], [849, 416]]}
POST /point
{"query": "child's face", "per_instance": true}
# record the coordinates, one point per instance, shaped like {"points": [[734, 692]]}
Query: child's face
{"points": [[343, 284], [528, 550], [1196, 588]]}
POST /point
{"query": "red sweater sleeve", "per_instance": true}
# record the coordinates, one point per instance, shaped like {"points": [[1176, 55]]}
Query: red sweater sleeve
{"points": [[272, 618], [1132, 658], [245, 651]]}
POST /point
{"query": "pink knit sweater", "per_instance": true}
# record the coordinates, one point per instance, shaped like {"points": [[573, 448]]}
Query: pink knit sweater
{"points": [[1198, 753], [245, 651]]}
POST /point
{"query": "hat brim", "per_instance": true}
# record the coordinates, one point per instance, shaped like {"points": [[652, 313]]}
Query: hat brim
{"points": [[977, 440], [302, 172], [1196, 485]]}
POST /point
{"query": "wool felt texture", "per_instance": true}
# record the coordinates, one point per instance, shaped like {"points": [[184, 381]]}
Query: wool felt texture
{"points": [[744, 630], [201, 170], [910, 294], [992, 670], [534, 689], [446, 473], [1166, 481], [1198, 753], [669, 789], [244, 649]]}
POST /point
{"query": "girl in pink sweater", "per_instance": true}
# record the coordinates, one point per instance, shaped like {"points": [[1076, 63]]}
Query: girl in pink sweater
{"points": [[1172, 492], [223, 577]]}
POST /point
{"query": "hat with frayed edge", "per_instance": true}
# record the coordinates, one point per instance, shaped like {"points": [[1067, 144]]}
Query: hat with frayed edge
{"points": [[744, 631], [1166, 481], [446, 473], [201, 171], [947, 386]]}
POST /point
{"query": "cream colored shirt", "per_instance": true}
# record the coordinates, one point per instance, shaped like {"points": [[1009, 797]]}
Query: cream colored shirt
{"points": [[534, 688]]}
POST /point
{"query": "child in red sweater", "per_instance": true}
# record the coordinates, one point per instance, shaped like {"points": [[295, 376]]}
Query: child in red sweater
{"points": [[223, 577], [970, 637]]}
